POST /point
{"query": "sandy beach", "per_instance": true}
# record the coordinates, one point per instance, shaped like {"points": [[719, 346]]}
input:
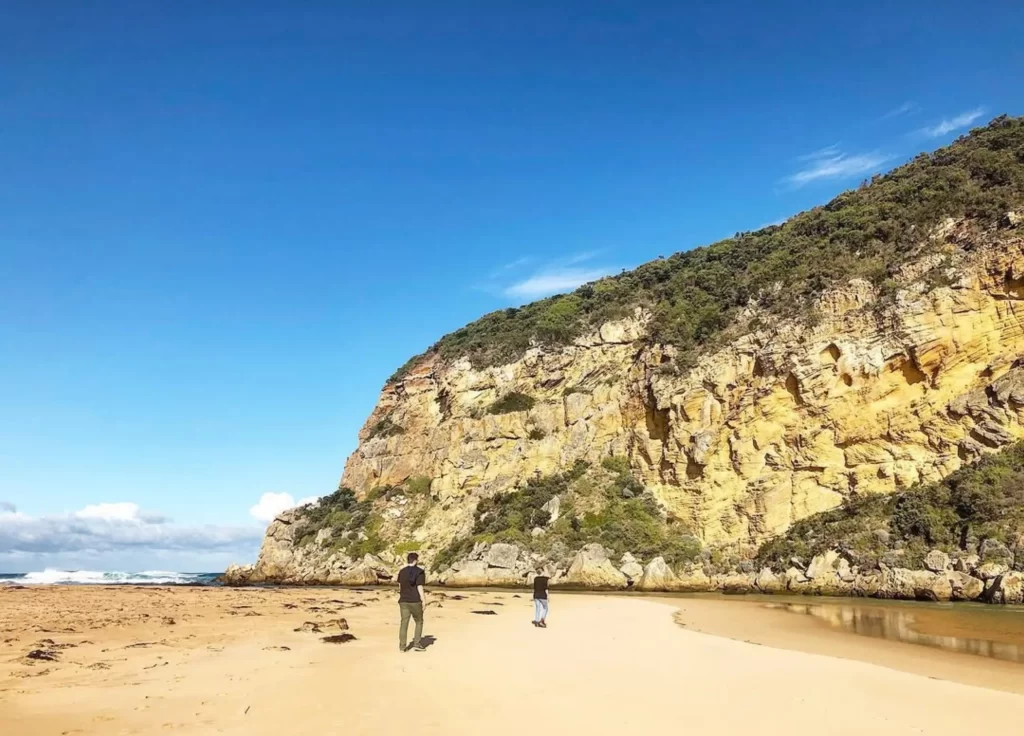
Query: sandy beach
{"points": [[129, 660]]}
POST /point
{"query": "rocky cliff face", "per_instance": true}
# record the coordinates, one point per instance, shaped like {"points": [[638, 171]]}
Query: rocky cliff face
{"points": [[869, 393], [882, 393]]}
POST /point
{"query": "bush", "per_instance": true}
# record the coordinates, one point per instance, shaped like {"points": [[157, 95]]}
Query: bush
{"points": [[385, 428], [418, 485], [511, 402], [695, 296], [607, 506], [537, 434]]}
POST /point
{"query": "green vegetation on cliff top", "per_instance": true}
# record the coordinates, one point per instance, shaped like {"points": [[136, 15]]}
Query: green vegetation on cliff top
{"points": [[977, 509], [695, 295]]}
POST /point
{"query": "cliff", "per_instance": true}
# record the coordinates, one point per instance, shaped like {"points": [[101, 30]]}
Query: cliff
{"points": [[880, 379]]}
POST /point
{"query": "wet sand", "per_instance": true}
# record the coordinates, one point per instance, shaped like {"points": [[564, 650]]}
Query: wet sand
{"points": [[213, 660]]}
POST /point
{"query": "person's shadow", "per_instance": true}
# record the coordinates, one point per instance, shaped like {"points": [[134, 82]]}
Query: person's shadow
{"points": [[427, 641]]}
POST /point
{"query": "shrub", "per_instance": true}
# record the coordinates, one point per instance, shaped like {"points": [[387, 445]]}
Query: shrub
{"points": [[537, 434], [385, 428], [418, 485], [512, 402]]}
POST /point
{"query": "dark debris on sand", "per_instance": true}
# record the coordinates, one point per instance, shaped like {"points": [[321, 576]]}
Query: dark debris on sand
{"points": [[485, 613], [338, 639]]}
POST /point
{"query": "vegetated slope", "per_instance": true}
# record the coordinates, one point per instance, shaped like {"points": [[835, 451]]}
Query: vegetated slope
{"points": [[977, 509], [695, 296]]}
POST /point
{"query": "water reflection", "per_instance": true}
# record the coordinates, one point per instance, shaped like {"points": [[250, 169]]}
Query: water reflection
{"points": [[899, 625]]}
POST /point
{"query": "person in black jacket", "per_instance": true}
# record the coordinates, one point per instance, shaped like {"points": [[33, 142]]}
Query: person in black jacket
{"points": [[540, 600], [411, 601]]}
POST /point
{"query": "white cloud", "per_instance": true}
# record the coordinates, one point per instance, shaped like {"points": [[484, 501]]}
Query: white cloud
{"points": [[110, 511], [554, 281], [905, 109], [948, 125], [115, 528], [832, 163], [272, 504]]}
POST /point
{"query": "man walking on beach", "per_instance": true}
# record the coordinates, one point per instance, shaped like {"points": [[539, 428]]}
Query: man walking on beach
{"points": [[411, 600]]}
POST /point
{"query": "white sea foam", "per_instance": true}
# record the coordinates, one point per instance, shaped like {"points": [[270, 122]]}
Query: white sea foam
{"points": [[92, 577]]}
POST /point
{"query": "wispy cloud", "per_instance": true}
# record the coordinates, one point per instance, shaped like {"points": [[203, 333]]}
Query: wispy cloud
{"points": [[832, 163], [905, 109], [948, 125], [527, 278], [554, 281]]}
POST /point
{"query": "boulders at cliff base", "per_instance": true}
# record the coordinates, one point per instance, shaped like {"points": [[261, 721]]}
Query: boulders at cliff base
{"points": [[992, 550], [237, 574], [502, 555], [591, 568], [658, 576], [768, 582], [632, 569], [967, 563], [936, 561], [965, 587], [991, 570], [1008, 588], [822, 565]]}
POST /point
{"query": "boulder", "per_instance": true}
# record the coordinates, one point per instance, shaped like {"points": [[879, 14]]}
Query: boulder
{"points": [[965, 587], [735, 583], [967, 563], [992, 550], [991, 570], [1008, 588], [361, 574], [553, 507], [795, 579], [844, 571], [536, 532], [323, 536], [467, 573], [823, 565], [632, 570], [768, 582], [627, 557], [502, 555], [936, 561], [237, 574], [591, 568], [867, 584], [658, 576], [935, 588], [694, 580]]}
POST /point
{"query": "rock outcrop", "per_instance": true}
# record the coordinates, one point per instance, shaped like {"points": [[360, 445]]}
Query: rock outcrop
{"points": [[782, 423], [592, 569]]}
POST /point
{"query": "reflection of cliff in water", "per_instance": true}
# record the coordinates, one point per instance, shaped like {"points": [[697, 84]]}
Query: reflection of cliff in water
{"points": [[887, 623]]}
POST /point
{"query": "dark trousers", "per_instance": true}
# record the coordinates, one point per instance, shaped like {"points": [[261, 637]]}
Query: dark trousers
{"points": [[414, 610]]}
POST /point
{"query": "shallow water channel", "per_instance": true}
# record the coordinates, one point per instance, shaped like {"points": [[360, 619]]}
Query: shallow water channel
{"points": [[982, 630]]}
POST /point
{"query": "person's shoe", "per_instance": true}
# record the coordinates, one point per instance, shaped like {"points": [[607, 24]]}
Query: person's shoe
{"points": [[536, 623], [421, 647], [543, 624]]}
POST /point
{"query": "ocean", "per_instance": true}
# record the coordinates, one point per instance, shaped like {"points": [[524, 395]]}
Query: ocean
{"points": [[91, 577]]}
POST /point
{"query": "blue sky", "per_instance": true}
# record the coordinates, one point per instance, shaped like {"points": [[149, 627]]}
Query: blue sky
{"points": [[223, 225]]}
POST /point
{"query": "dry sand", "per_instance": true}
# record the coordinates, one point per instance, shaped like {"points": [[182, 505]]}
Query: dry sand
{"points": [[231, 663]]}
